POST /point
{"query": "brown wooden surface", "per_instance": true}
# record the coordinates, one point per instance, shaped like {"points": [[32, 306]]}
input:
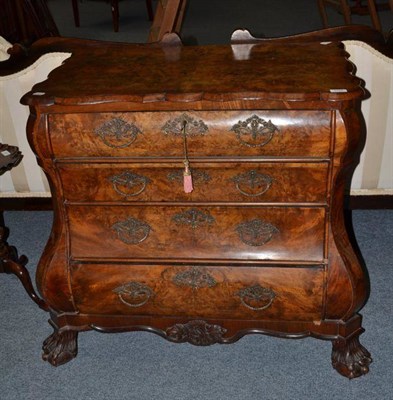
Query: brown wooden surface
{"points": [[271, 71]]}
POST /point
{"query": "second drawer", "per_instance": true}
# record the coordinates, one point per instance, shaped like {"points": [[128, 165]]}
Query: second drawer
{"points": [[229, 182]]}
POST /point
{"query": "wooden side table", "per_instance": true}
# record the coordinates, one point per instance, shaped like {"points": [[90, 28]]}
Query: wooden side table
{"points": [[10, 262]]}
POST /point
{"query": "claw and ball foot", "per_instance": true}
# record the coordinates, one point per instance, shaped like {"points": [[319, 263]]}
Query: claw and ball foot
{"points": [[350, 358], [60, 347]]}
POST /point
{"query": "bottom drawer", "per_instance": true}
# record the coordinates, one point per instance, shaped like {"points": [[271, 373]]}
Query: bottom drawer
{"points": [[282, 293]]}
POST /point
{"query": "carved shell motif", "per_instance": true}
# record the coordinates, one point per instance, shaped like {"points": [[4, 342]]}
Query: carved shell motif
{"points": [[198, 333]]}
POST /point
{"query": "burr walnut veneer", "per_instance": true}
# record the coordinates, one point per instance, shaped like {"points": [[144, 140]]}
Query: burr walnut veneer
{"points": [[270, 132]]}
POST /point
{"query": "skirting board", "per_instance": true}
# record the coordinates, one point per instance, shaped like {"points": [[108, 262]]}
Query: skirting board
{"points": [[352, 202]]}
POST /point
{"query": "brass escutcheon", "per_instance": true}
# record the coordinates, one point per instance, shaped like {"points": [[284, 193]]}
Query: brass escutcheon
{"points": [[175, 126], [117, 133]]}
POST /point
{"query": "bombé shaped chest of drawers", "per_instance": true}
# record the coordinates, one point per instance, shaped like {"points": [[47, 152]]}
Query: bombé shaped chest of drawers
{"points": [[258, 246]]}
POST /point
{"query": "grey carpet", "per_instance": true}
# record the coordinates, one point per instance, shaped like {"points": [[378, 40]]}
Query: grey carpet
{"points": [[144, 366], [205, 21]]}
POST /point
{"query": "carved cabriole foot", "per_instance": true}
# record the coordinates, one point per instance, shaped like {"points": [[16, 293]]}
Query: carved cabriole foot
{"points": [[349, 357], [60, 347]]}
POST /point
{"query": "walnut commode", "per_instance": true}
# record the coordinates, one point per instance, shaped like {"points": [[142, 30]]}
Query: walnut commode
{"points": [[253, 242]]}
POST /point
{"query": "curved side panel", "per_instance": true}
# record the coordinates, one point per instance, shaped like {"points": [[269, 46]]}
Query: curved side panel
{"points": [[348, 284], [52, 276]]}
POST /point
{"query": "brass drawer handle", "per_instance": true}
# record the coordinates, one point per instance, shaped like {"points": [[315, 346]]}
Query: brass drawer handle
{"points": [[193, 218], [134, 294], [126, 181], [175, 126], [118, 133], [132, 231], [254, 131], [256, 297], [252, 180], [256, 232], [194, 278]]}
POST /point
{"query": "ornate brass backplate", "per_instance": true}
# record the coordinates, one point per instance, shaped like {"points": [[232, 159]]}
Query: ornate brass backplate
{"points": [[256, 232], [117, 133], [129, 184], [256, 297], [134, 294], [252, 183], [194, 278], [254, 131], [132, 231]]}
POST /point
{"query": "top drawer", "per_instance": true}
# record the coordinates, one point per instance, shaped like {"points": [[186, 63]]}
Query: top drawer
{"points": [[209, 133]]}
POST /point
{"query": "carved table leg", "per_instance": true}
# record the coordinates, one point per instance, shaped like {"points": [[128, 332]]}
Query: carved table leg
{"points": [[6, 251], [349, 357], [60, 347], [11, 263]]}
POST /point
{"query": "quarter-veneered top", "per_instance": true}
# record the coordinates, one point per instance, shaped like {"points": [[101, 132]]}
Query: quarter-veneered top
{"points": [[101, 72]]}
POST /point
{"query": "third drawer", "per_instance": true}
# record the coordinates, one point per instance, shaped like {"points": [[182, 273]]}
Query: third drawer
{"points": [[200, 232]]}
